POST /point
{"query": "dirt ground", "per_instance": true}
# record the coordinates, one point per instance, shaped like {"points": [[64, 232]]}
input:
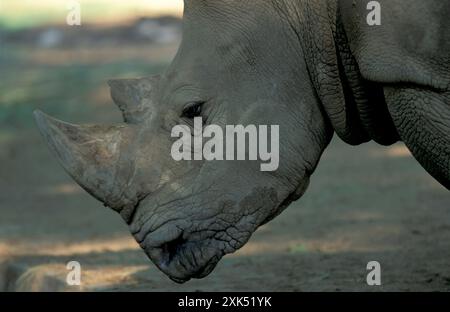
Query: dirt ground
{"points": [[364, 203]]}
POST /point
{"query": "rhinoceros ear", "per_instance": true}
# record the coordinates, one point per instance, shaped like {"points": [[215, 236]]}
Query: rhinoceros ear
{"points": [[133, 97]]}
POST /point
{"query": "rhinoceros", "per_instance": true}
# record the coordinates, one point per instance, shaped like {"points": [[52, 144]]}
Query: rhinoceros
{"points": [[313, 67]]}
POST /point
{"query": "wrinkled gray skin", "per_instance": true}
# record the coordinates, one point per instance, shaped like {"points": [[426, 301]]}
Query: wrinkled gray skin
{"points": [[312, 67]]}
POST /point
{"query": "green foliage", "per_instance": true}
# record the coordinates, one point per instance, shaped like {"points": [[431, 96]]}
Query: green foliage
{"points": [[298, 248], [61, 90]]}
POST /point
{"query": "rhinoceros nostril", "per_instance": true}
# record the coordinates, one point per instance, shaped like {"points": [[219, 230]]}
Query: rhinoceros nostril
{"points": [[171, 248]]}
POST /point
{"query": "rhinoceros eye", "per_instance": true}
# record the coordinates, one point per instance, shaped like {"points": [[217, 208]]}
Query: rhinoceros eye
{"points": [[193, 110]]}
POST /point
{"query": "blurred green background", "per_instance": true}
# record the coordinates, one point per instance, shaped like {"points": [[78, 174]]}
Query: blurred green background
{"points": [[18, 14], [46, 64]]}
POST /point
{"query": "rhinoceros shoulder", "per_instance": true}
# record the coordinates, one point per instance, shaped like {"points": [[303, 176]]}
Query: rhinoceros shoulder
{"points": [[411, 44]]}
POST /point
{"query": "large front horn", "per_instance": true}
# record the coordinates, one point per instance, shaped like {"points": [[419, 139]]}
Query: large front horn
{"points": [[95, 156]]}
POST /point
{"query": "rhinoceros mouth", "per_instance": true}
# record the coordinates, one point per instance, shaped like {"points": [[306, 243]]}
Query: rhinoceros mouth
{"points": [[181, 258]]}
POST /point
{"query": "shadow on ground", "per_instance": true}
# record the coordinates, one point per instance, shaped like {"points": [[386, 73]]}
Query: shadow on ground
{"points": [[364, 203]]}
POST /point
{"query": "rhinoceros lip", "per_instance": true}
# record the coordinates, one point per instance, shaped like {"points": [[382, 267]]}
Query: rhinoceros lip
{"points": [[192, 267], [200, 272], [176, 257]]}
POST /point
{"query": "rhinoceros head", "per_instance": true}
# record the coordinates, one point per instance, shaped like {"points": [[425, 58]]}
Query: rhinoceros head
{"points": [[237, 65]]}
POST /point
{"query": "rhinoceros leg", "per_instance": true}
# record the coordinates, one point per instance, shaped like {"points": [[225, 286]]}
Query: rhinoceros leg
{"points": [[422, 118]]}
